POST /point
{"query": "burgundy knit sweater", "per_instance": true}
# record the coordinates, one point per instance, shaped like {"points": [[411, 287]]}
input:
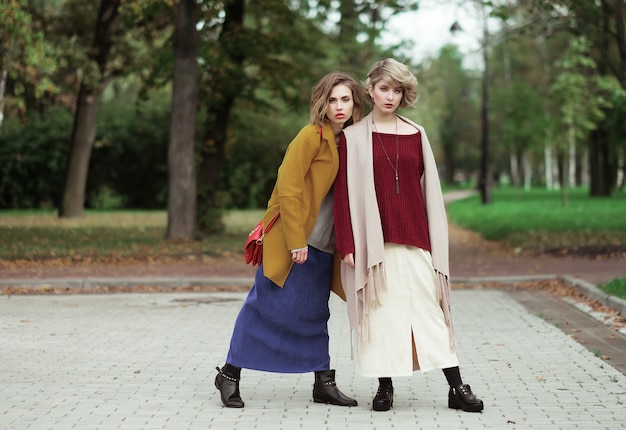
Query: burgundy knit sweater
{"points": [[403, 216]]}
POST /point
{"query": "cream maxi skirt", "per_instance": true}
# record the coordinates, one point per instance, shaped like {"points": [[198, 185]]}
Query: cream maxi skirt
{"points": [[409, 311]]}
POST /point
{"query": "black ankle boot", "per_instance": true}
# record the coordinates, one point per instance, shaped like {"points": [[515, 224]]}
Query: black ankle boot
{"points": [[229, 389], [383, 401], [461, 397], [325, 390]]}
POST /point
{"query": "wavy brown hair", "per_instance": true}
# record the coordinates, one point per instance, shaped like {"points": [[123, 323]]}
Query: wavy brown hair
{"points": [[320, 96]]}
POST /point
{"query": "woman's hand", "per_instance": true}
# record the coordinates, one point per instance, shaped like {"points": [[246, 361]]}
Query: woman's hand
{"points": [[301, 256], [349, 259]]}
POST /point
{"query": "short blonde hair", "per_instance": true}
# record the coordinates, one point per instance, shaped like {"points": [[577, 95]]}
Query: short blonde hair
{"points": [[321, 94], [395, 73]]}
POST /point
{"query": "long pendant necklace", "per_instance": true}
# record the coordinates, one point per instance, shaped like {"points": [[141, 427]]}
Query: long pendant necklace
{"points": [[395, 168]]}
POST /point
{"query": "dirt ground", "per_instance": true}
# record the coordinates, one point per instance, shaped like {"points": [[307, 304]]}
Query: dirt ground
{"points": [[470, 257]]}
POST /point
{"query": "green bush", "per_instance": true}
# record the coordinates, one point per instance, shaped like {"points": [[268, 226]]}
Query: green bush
{"points": [[33, 154], [252, 161], [129, 158], [128, 165]]}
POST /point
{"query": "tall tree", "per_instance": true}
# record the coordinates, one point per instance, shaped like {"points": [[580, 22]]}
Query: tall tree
{"points": [[583, 96], [227, 81], [449, 92], [260, 46], [84, 130], [486, 9], [519, 116], [602, 23], [181, 207]]}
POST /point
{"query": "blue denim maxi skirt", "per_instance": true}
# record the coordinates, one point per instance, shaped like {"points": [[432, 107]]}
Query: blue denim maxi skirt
{"points": [[286, 329]]}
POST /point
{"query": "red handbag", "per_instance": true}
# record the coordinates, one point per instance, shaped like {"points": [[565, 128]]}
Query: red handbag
{"points": [[253, 249]]}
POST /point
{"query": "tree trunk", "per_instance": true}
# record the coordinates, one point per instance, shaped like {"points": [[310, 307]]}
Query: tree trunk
{"points": [[3, 81], [449, 173], [584, 169], [571, 162], [528, 169], [599, 163], [84, 129], [549, 170], [623, 182], [514, 163], [620, 37], [348, 27], [83, 135], [485, 179], [181, 208], [560, 165], [600, 166], [228, 77]]}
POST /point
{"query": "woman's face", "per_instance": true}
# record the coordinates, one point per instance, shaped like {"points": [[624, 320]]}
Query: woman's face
{"points": [[340, 105], [386, 97]]}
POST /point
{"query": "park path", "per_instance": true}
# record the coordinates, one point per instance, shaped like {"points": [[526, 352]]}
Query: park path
{"points": [[141, 361]]}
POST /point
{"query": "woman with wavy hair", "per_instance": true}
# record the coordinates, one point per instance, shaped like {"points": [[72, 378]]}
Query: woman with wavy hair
{"points": [[283, 324]]}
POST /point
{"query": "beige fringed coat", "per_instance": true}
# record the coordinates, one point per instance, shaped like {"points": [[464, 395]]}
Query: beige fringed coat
{"points": [[366, 280]]}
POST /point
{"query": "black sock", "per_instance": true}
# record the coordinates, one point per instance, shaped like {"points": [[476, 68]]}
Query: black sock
{"points": [[453, 375], [232, 371], [385, 382]]}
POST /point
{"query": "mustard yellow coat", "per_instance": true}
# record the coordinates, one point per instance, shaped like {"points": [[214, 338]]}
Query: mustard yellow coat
{"points": [[305, 176]]}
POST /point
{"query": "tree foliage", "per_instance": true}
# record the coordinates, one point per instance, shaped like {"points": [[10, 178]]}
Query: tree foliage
{"points": [[449, 97], [584, 98], [26, 57], [257, 62], [602, 25]]}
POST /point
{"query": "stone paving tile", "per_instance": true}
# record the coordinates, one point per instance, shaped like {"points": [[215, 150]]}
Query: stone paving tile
{"points": [[146, 361]]}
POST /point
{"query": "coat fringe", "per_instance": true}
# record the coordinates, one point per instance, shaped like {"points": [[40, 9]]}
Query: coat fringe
{"points": [[369, 296], [444, 298]]}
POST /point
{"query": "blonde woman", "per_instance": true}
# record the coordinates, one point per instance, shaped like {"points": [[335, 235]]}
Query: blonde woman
{"points": [[392, 234]]}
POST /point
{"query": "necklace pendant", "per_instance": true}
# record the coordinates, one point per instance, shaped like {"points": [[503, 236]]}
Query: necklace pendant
{"points": [[397, 184]]}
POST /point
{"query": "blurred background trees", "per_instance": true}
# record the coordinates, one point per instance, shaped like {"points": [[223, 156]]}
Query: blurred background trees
{"points": [[98, 110]]}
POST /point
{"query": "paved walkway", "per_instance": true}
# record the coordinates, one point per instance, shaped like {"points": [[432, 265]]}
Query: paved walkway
{"points": [[146, 361]]}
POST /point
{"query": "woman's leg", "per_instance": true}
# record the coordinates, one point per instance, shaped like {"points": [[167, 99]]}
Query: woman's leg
{"points": [[325, 390], [227, 382], [460, 395], [383, 401]]}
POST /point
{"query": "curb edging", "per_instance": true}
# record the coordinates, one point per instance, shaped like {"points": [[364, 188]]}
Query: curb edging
{"points": [[77, 285], [593, 292], [585, 288]]}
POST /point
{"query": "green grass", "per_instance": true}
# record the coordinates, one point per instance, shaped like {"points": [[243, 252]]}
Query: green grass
{"points": [[36, 235], [615, 287], [535, 220]]}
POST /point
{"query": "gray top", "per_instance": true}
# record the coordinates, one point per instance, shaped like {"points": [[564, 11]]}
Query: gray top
{"points": [[323, 235]]}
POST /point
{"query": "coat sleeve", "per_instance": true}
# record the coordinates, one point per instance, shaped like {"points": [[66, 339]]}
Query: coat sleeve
{"points": [[290, 185]]}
